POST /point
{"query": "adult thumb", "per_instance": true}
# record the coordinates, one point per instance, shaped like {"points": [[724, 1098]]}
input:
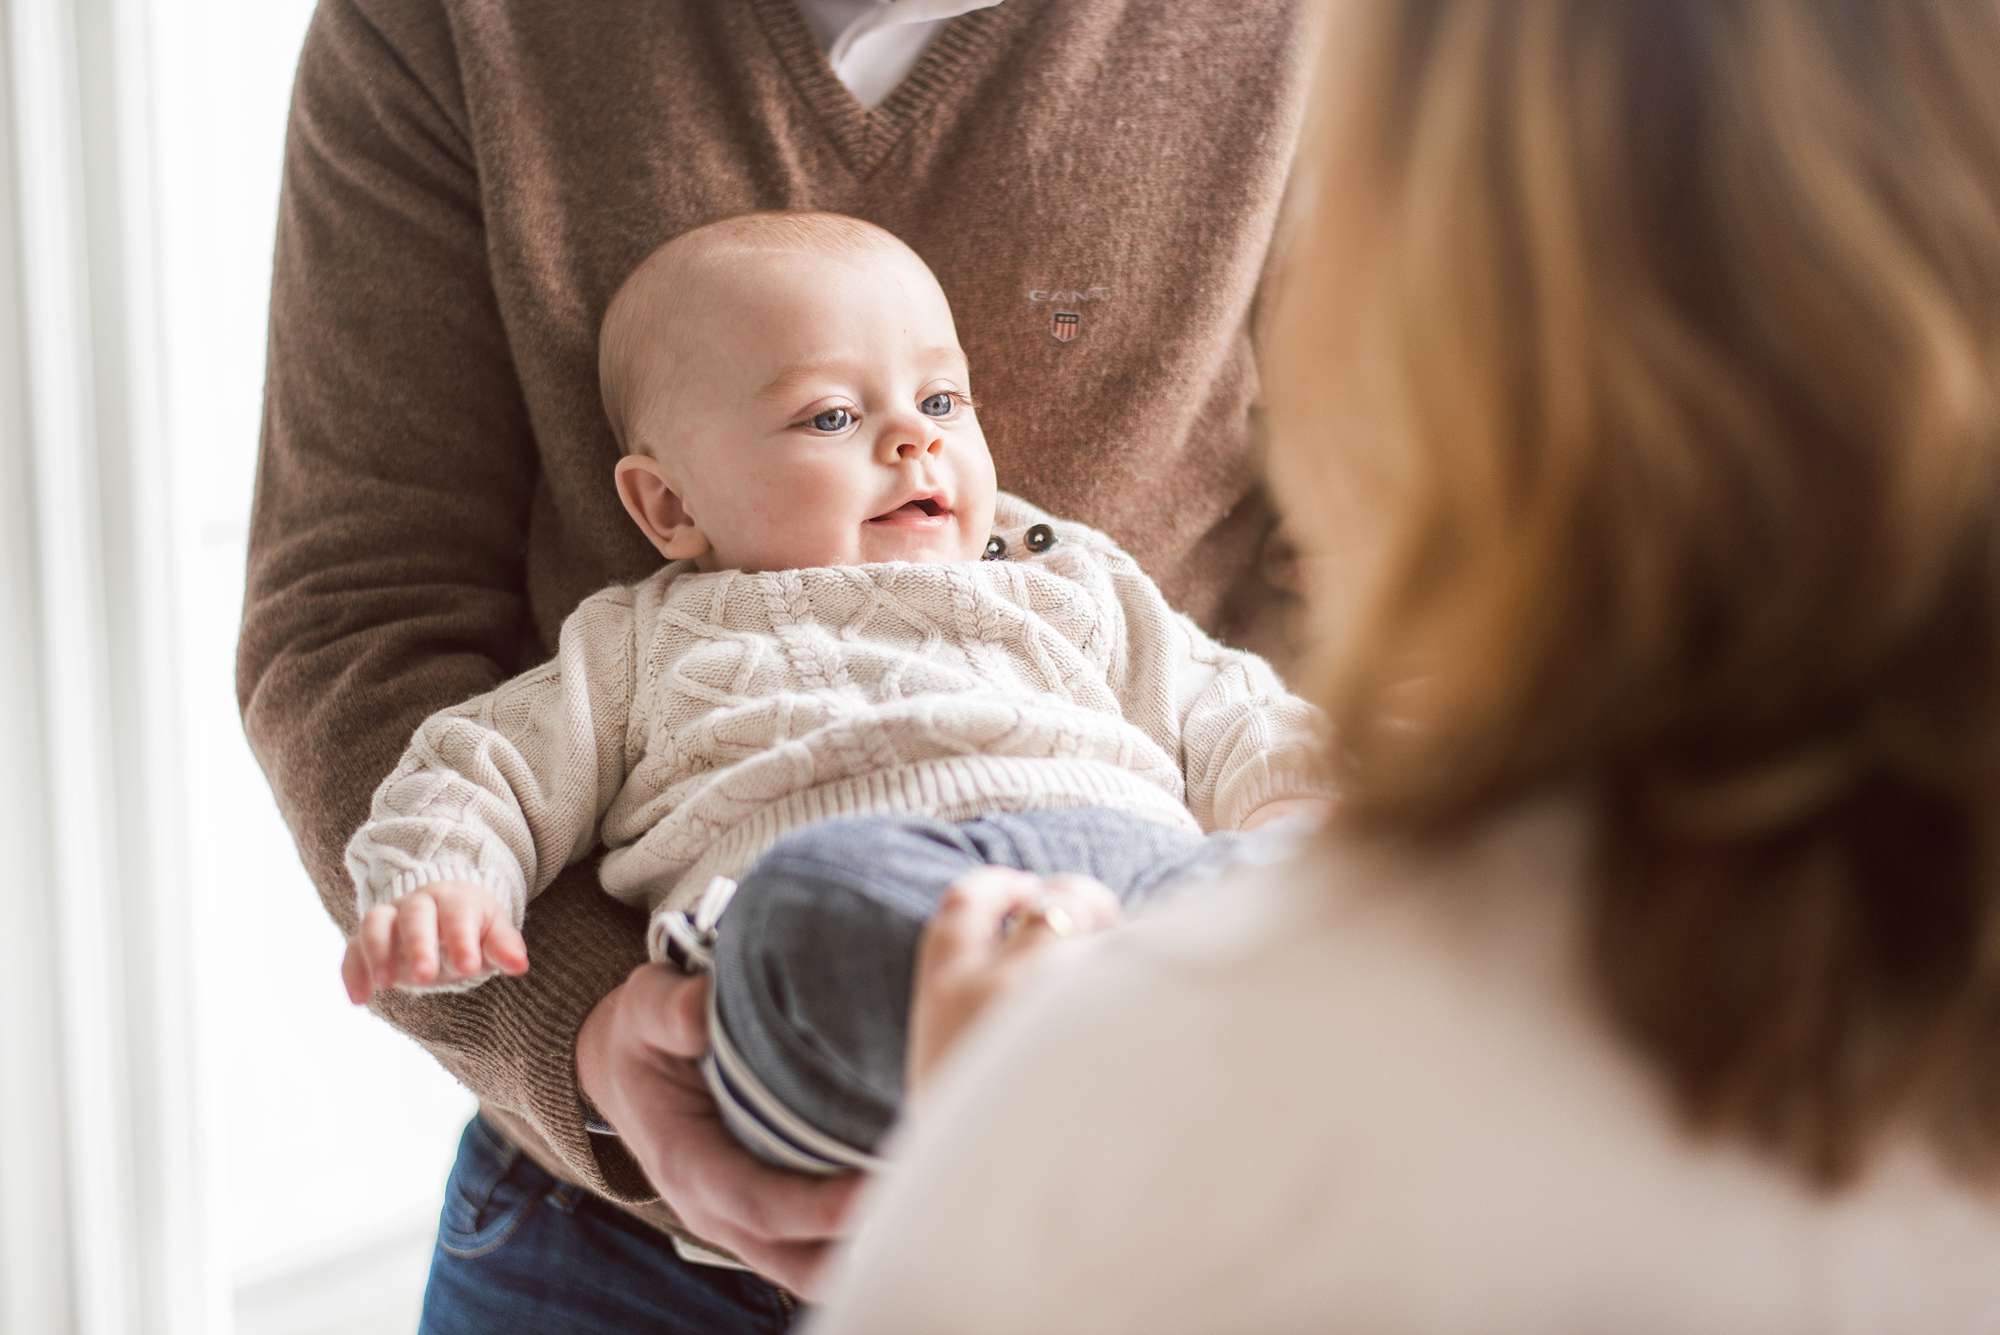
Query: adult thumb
{"points": [[675, 1008]]}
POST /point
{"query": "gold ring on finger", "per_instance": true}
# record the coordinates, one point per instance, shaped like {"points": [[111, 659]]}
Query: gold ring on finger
{"points": [[1042, 910], [1058, 920]]}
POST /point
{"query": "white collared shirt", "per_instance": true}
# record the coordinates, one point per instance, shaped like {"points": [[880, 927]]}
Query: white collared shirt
{"points": [[874, 44]]}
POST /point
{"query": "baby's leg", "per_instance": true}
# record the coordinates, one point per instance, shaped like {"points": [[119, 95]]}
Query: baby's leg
{"points": [[815, 955], [813, 967], [1136, 858]]}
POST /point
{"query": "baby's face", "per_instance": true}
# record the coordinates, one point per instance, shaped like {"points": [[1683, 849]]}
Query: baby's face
{"points": [[823, 416]]}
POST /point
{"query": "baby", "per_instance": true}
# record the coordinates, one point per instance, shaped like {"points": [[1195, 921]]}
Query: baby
{"points": [[861, 674]]}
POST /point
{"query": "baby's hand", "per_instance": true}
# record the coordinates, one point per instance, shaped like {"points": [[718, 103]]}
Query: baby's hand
{"points": [[1318, 808], [401, 943]]}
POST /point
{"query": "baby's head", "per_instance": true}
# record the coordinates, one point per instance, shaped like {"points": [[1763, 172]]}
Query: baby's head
{"points": [[788, 391]]}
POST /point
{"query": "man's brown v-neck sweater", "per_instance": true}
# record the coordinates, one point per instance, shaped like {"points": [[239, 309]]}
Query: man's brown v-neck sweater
{"points": [[466, 183]]}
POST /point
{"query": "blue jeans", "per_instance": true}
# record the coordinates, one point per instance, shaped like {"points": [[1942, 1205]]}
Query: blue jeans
{"points": [[814, 957], [522, 1253]]}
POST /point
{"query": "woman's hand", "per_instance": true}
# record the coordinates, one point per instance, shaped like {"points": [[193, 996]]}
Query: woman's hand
{"points": [[636, 1061], [989, 926]]}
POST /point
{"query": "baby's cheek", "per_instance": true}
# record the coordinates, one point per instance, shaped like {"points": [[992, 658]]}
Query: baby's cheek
{"points": [[809, 516], [979, 490]]}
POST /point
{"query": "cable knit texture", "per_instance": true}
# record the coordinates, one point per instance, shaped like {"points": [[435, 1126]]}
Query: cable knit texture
{"points": [[692, 719], [466, 184]]}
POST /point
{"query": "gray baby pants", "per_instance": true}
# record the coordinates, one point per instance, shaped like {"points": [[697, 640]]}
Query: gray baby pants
{"points": [[814, 955]]}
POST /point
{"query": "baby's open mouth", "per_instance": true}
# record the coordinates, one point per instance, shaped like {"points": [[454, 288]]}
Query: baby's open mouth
{"points": [[913, 511]]}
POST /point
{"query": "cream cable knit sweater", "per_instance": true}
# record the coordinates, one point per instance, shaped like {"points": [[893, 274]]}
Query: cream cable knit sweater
{"points": [[690, 720]]}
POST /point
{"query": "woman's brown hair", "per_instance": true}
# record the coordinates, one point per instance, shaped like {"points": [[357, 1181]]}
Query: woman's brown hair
{"points": [[1635, 401]]}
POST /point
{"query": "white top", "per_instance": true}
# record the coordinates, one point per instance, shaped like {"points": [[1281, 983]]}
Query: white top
{"points": [[874, 44], [1367, 1093], [690, 721]]}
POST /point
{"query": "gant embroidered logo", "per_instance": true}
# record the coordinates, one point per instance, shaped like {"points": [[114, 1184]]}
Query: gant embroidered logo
{"points": [[1066, 320]]}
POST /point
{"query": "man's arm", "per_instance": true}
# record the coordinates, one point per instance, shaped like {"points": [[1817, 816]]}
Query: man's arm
{"points": [[385, 576]]}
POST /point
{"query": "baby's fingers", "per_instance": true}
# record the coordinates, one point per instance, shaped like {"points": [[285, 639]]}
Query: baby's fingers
{"points": [[378, 941], [505, 949], [461, 923], [416, 939], [354, 974]]}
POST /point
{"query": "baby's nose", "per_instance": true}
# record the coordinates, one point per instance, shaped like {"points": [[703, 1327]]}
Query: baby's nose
{"points": [[914, 449]]}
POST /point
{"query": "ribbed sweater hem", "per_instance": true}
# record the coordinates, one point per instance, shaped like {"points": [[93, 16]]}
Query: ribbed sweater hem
{"points": [[953, 789]]}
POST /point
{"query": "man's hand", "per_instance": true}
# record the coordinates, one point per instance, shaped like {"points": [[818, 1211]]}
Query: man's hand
{"points": [[444, 932], [635, 1060], [1316, 808]]}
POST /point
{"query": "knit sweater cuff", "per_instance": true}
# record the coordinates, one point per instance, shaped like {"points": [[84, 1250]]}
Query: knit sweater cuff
{"points": [[1283, 775], [385, 887]]}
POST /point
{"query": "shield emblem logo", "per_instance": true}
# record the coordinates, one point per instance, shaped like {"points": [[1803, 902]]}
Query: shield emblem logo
{"points": [[1063, 325]]}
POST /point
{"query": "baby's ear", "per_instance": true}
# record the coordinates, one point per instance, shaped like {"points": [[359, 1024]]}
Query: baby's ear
{"points": [[655, 507]]}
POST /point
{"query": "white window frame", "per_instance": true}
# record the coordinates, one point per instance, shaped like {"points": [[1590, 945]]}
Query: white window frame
{"points": [[104, 1216], [35, 1291]]}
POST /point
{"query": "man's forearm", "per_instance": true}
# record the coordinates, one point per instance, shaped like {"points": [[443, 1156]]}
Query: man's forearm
{"points": [[395, 473]]}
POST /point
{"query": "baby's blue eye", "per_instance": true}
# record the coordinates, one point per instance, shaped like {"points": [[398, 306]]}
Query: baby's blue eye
{"points": [[833, 419], [937, 405]]}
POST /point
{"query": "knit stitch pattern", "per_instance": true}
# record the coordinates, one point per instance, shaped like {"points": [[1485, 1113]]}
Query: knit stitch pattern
{"points": [[691, 720]]}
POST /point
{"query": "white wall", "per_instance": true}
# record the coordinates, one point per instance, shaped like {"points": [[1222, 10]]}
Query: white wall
{"points": [[34, 1255], [294, 1072], [212, 1078], [295, 1068]]}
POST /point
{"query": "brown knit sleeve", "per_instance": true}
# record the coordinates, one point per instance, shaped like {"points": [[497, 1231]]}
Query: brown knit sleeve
{"points": [[385, 572]]}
